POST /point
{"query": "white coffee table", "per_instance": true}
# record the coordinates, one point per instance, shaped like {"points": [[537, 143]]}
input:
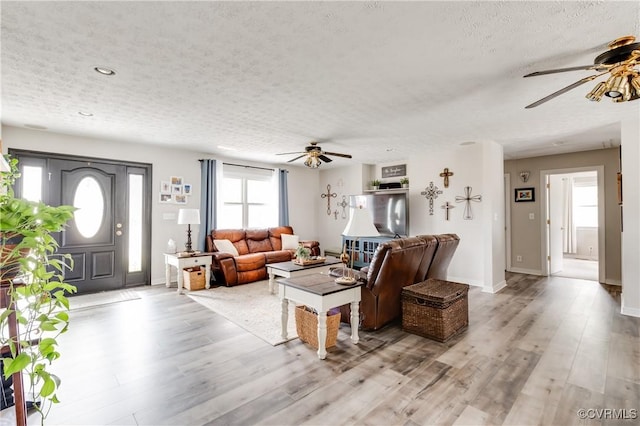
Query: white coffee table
{"points": [[289, 269], [321, 293], [187, 261]]}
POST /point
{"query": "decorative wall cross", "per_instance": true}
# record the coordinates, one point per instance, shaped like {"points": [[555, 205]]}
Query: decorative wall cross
{"points": [[344, 204], [328, 196], [431, 192], [445, 174], [447, 206], [468, 214]]}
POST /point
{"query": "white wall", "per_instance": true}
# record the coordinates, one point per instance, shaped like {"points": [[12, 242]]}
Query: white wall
{"points": [[631, 212], [168, 162], [344, 181]]}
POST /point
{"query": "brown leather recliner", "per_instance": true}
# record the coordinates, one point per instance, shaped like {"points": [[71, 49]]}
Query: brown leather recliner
{"points": [[447, 245], [256, 248], [395, 264]]}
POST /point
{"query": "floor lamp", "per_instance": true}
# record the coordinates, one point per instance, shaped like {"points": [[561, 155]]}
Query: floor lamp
{"points": [[360, 225], [188, 217]]}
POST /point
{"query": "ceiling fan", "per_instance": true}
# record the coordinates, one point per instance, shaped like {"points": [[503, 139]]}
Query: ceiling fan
{"points": [[315, 155], [622, 61]]}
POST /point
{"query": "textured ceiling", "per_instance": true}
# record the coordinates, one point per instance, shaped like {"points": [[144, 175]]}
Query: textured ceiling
{"points": [[378, 80]]}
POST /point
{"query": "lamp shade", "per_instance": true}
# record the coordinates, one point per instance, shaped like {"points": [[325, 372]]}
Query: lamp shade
{"points": [[360, 224], [188, 217]]}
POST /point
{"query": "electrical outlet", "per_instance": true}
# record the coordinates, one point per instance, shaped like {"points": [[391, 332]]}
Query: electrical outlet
{"points": [[518, 258]]}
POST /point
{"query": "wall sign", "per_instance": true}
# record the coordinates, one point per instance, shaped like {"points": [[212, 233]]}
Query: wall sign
{"points": [[393, 171]]}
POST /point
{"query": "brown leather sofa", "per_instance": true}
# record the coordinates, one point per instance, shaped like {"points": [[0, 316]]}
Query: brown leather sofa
{"points": [[397, 264], [256, 248]]}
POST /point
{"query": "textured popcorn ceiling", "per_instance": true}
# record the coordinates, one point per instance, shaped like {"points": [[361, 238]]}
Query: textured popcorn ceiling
{"points": [[378, 80]]}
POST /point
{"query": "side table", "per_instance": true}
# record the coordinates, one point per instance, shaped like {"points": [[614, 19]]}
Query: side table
{"points": [[320, 292], [181, 261]]}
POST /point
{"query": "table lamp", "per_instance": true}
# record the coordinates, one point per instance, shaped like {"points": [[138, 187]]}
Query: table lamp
{"points": [[188, 217], [360, 225]]}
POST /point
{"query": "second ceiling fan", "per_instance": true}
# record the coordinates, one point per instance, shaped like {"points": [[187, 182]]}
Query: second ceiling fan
{"points": [[314, 155]]}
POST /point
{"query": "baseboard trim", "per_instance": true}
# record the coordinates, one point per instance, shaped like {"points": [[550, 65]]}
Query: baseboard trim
{"points": [[625, 310], [475, 283], [526, 271], [158, 281], [495, 288]]}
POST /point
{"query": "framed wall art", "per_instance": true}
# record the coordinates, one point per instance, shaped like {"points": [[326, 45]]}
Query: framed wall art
{"points": [[394, 171], [165, 187], [186, 189], [166, 198], [525, 194]]}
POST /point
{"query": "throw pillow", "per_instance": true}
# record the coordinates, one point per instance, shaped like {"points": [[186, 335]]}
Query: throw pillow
{"points": [[225, 246], [289, 242]]}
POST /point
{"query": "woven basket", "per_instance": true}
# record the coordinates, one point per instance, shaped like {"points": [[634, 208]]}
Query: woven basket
{"points": [[307, 327], [435, 309], [194, 278]]}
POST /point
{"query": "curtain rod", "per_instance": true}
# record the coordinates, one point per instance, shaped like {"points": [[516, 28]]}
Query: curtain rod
{"points": [[250, 167]]}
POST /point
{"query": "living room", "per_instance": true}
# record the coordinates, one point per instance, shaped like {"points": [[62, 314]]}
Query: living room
{"points": [[487, 106]]}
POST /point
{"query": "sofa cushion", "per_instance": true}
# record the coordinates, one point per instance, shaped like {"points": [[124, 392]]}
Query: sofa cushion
{"points": [[277, 256], [226, 246], [289, 242], [236, 236], [275, 235], [250, 262]]}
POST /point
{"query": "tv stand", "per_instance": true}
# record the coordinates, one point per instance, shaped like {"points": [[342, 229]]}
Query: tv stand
{"points": [[363, 248]]}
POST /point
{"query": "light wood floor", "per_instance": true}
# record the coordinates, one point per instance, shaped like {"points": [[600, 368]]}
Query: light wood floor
{"points": [[535, 353]]}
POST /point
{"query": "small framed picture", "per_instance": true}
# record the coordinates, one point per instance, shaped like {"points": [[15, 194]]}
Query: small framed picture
{"points": [[176, 180], [186, 189], [525, 194], [165, 187], [166, 198], [176, 189], [180, 199]]}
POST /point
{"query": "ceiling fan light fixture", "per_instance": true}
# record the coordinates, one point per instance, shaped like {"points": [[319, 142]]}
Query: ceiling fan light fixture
{"points": [[597, 92], [617, 86], [635, 83]]}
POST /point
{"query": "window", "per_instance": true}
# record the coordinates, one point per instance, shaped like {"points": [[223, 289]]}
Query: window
{"points": [[585, 206], [249, 198]]}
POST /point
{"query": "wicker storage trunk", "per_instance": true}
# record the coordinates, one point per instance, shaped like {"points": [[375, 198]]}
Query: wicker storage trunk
{"points": [[435, 309], [307, 327], [193, 278]]}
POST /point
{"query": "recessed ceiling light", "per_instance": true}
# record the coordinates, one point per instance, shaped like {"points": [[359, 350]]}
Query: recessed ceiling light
{"points": [[467, 143], [104, 70], [85, 114], [35, 127], [558, 143], [389, 149], [227, 148]]}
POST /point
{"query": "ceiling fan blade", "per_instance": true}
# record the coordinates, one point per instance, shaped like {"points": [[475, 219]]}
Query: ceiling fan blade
{"points": [[564, 90], [582, 67], [294, 159], [325, 158], [289, 153], [335, 154]]}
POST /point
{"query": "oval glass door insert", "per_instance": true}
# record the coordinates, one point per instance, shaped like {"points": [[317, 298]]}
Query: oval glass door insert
{"points": [[89, 200]]}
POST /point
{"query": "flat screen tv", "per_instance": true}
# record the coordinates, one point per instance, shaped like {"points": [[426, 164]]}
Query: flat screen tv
{"points": [[390, 211]]}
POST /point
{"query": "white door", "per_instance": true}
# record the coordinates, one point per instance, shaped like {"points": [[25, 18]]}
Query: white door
{"points": [[554, 222]]}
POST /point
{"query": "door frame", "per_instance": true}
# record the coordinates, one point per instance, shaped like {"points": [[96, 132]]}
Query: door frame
{"points": [[544, 250], [507, 220], [148, 198]]}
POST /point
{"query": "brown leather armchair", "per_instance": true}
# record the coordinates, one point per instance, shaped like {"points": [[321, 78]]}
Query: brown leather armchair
{"points": [[447, 245], [395, 264]]}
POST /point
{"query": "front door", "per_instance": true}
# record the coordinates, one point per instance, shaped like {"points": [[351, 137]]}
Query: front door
{"points": [[108, 236]]}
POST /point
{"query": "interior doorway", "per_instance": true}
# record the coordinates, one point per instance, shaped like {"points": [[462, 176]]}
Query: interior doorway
{"points": [[574, 226]]}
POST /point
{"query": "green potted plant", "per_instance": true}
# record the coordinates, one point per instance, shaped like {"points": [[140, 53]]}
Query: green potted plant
{"points": [[302, 252], [28, 252], [375, 184], [404, 182]]}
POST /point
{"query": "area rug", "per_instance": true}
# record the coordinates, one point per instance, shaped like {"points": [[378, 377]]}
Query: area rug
{"points": [[86, 301], [252, 307]]}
